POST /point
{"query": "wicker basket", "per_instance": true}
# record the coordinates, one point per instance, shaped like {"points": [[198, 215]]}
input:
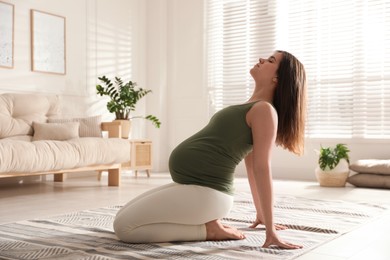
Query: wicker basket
{"points": [[332, 179], [337, 177]]}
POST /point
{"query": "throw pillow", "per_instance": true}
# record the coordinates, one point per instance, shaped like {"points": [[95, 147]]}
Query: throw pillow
{"points": [[371, 166], [89, 126], [370, 180], [55, 131]]}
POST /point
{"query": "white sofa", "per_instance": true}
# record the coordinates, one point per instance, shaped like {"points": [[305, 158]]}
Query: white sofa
{"points": [[35, 140]]}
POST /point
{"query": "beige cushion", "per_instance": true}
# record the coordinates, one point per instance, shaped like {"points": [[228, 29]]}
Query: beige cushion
{"points": [[89, 126], [370, 180], [27, 138], [371, 166], [55, 131], [18, 111], [47, 155]]}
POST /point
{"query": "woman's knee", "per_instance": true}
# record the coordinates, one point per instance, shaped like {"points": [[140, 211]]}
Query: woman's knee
{"points": [[123, 229]]}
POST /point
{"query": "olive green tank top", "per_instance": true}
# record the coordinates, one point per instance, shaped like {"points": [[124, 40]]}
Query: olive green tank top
{"points": [[209, 157]]}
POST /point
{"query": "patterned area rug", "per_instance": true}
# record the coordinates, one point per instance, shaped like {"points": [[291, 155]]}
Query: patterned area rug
{"points": [[88, 234]]}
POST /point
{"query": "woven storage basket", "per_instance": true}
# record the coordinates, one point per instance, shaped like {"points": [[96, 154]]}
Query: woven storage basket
{"points": [[332, 179], [336, 177]]}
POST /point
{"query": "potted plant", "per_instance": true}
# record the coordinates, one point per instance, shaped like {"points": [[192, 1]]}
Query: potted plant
{"points": [[333, 166], [123, 99]]}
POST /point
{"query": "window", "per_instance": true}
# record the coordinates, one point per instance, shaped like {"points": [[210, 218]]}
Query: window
{"points": [[343, 45]]}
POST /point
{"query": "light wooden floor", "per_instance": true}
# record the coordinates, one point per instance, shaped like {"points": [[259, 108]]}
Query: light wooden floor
{"points": [[43, 199]]}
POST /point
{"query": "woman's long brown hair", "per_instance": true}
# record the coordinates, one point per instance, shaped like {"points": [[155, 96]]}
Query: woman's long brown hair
{"points": [[290, 103]]}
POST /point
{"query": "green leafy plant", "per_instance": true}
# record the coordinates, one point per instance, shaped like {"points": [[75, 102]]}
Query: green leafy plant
{"points": [[330, 157], [123, 98]]}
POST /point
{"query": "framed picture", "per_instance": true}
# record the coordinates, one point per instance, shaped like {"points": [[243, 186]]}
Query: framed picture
{"points": [[48, 42], [6, 35]]}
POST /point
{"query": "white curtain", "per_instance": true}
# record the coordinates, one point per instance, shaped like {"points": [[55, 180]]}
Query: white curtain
{"points": [[343, 45]]}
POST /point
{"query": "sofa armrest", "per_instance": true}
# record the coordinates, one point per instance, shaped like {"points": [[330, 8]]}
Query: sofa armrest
{"points": [[114, 129]]}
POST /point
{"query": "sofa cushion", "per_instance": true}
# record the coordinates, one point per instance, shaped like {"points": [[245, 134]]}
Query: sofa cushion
{"points": [[89, 126], [27, 138], [18, 111], [46, 155], [369, 180], [371, 166], [55, 131]]}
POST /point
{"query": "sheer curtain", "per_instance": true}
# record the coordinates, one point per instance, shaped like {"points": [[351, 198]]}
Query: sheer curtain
{"points": [[343, 45]]}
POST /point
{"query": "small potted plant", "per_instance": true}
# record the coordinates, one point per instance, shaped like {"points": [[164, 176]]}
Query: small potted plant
{"points": [[123, 99], [333, 166]]}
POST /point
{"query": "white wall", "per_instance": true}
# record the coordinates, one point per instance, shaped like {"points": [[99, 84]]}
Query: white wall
{"points": [[115, 47], [175, 72], [21, 78]]}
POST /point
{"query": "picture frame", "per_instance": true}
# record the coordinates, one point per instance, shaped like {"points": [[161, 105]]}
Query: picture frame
{"points": [[7, 14], [48, 42]]}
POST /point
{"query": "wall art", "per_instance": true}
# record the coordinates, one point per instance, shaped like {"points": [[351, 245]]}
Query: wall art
{"points": [[48, 48]]}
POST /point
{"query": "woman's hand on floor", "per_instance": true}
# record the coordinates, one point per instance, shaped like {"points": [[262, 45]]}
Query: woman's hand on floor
{"points": [[258, 221], [272, 239]]}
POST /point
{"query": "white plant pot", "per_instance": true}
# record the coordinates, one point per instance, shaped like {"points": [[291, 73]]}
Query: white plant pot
{"points": [[337, 177]]}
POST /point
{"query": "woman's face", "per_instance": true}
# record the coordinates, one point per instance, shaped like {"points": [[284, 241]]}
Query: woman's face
{"points": [[266, 70]]}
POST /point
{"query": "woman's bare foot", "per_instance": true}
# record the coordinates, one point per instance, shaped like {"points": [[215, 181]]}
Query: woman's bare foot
{"points": [[216, 231]]}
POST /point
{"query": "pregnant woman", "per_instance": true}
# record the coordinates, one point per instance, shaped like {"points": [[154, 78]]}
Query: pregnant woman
{"points": [[202, 167]]}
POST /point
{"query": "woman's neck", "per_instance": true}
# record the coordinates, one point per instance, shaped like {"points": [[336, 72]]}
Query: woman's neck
{"points": [[262, 94]]}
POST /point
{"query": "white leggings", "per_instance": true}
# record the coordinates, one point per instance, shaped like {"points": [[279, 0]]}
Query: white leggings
{"points": [[173, 212]]}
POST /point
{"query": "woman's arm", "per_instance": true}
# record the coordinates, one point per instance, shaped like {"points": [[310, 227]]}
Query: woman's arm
{"points": [[262, 119], [255, 194], [252, 185]]}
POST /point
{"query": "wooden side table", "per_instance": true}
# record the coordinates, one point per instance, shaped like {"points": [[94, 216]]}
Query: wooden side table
{"points": [[141, 156], [140, 149]]}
